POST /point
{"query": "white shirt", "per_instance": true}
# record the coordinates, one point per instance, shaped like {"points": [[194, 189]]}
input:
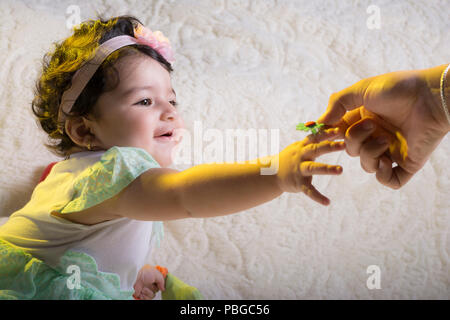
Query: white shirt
{"points": [[118, 246]]}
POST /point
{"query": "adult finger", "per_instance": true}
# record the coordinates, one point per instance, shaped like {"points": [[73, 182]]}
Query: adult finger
{"points": [[371, 151], [341, 102], [339, 129], [309, 168], [350, 118], [314, 194], [393, 178], [356, 134], [314, 150]]}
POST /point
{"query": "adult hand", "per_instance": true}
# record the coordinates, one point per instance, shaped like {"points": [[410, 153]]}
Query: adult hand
{"points": [[405, 108]]}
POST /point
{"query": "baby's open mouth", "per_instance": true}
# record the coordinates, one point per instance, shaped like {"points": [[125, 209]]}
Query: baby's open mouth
{"points": [[165, 137], [167, 134]]}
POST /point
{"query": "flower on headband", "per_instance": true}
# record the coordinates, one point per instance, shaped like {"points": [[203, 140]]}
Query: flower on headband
{"points": [[156, 40]]}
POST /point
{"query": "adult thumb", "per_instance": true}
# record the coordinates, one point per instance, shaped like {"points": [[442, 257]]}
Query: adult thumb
{"points": [[343, 101]]}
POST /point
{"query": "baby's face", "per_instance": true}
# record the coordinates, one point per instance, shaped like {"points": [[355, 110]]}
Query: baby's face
{"points": [[132, 115]]}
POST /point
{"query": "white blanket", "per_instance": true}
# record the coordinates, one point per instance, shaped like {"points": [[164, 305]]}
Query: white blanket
{"points": [[265, 65]]}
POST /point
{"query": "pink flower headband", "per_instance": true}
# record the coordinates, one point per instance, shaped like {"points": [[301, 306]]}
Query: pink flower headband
{"points": [[156, 40], [142, 35]]}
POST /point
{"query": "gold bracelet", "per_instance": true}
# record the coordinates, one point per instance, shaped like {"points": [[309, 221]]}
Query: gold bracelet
{"points": [[444, 103]]}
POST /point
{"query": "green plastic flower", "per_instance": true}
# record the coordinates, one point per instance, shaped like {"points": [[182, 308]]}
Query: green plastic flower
{"points": [[310, 126]]}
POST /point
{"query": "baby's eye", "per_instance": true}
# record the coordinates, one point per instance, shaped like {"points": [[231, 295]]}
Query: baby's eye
{"points": [[174, 103], [140, 102]]}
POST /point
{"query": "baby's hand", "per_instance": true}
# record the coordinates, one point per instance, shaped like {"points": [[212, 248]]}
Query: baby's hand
{"points": [[296, 163], [148, 282]]}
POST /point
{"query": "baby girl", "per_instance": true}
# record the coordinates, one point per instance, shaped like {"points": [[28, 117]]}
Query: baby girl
{"points": [[105, 95]]}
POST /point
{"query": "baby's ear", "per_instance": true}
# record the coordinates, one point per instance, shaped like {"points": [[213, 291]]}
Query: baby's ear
{"points": [[78, 130]]}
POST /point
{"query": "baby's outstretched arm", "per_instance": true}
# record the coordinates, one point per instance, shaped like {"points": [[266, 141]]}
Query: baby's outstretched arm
{"points": [[210, 190], [220, 189]]}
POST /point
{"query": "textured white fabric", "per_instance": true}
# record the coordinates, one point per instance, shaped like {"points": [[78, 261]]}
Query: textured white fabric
{"points": [[118, 246], [265, 64]]}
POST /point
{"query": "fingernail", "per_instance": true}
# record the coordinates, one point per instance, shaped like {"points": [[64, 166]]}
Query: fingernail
{"points": [[381, 165], [367, 125]]}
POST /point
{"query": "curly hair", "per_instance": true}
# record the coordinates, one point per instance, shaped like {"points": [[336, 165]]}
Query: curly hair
{"points": [[68, 56]]}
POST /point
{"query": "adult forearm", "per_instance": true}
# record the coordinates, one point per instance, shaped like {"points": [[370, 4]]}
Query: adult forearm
{"points": [[210, 190]]}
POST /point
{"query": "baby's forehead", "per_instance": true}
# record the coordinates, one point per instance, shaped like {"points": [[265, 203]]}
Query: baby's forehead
{"points": [[140, 72], [136, 65]]}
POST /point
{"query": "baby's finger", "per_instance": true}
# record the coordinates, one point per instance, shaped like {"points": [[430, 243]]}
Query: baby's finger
{"points": [[148, 294], [314, 194], [328, 134], [312, 151], [160, 283], [309, 168], [138, 288]]}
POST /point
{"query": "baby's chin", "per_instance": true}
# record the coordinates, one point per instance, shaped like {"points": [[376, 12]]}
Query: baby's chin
{"points": [[164, 155], [164, 160]]}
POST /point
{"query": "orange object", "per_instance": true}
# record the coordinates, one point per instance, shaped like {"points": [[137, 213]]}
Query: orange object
{"points": [[310, 123], [163, 270]]}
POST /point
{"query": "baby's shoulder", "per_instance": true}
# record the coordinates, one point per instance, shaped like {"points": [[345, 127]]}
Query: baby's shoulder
{"points": [[90, 216]]}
